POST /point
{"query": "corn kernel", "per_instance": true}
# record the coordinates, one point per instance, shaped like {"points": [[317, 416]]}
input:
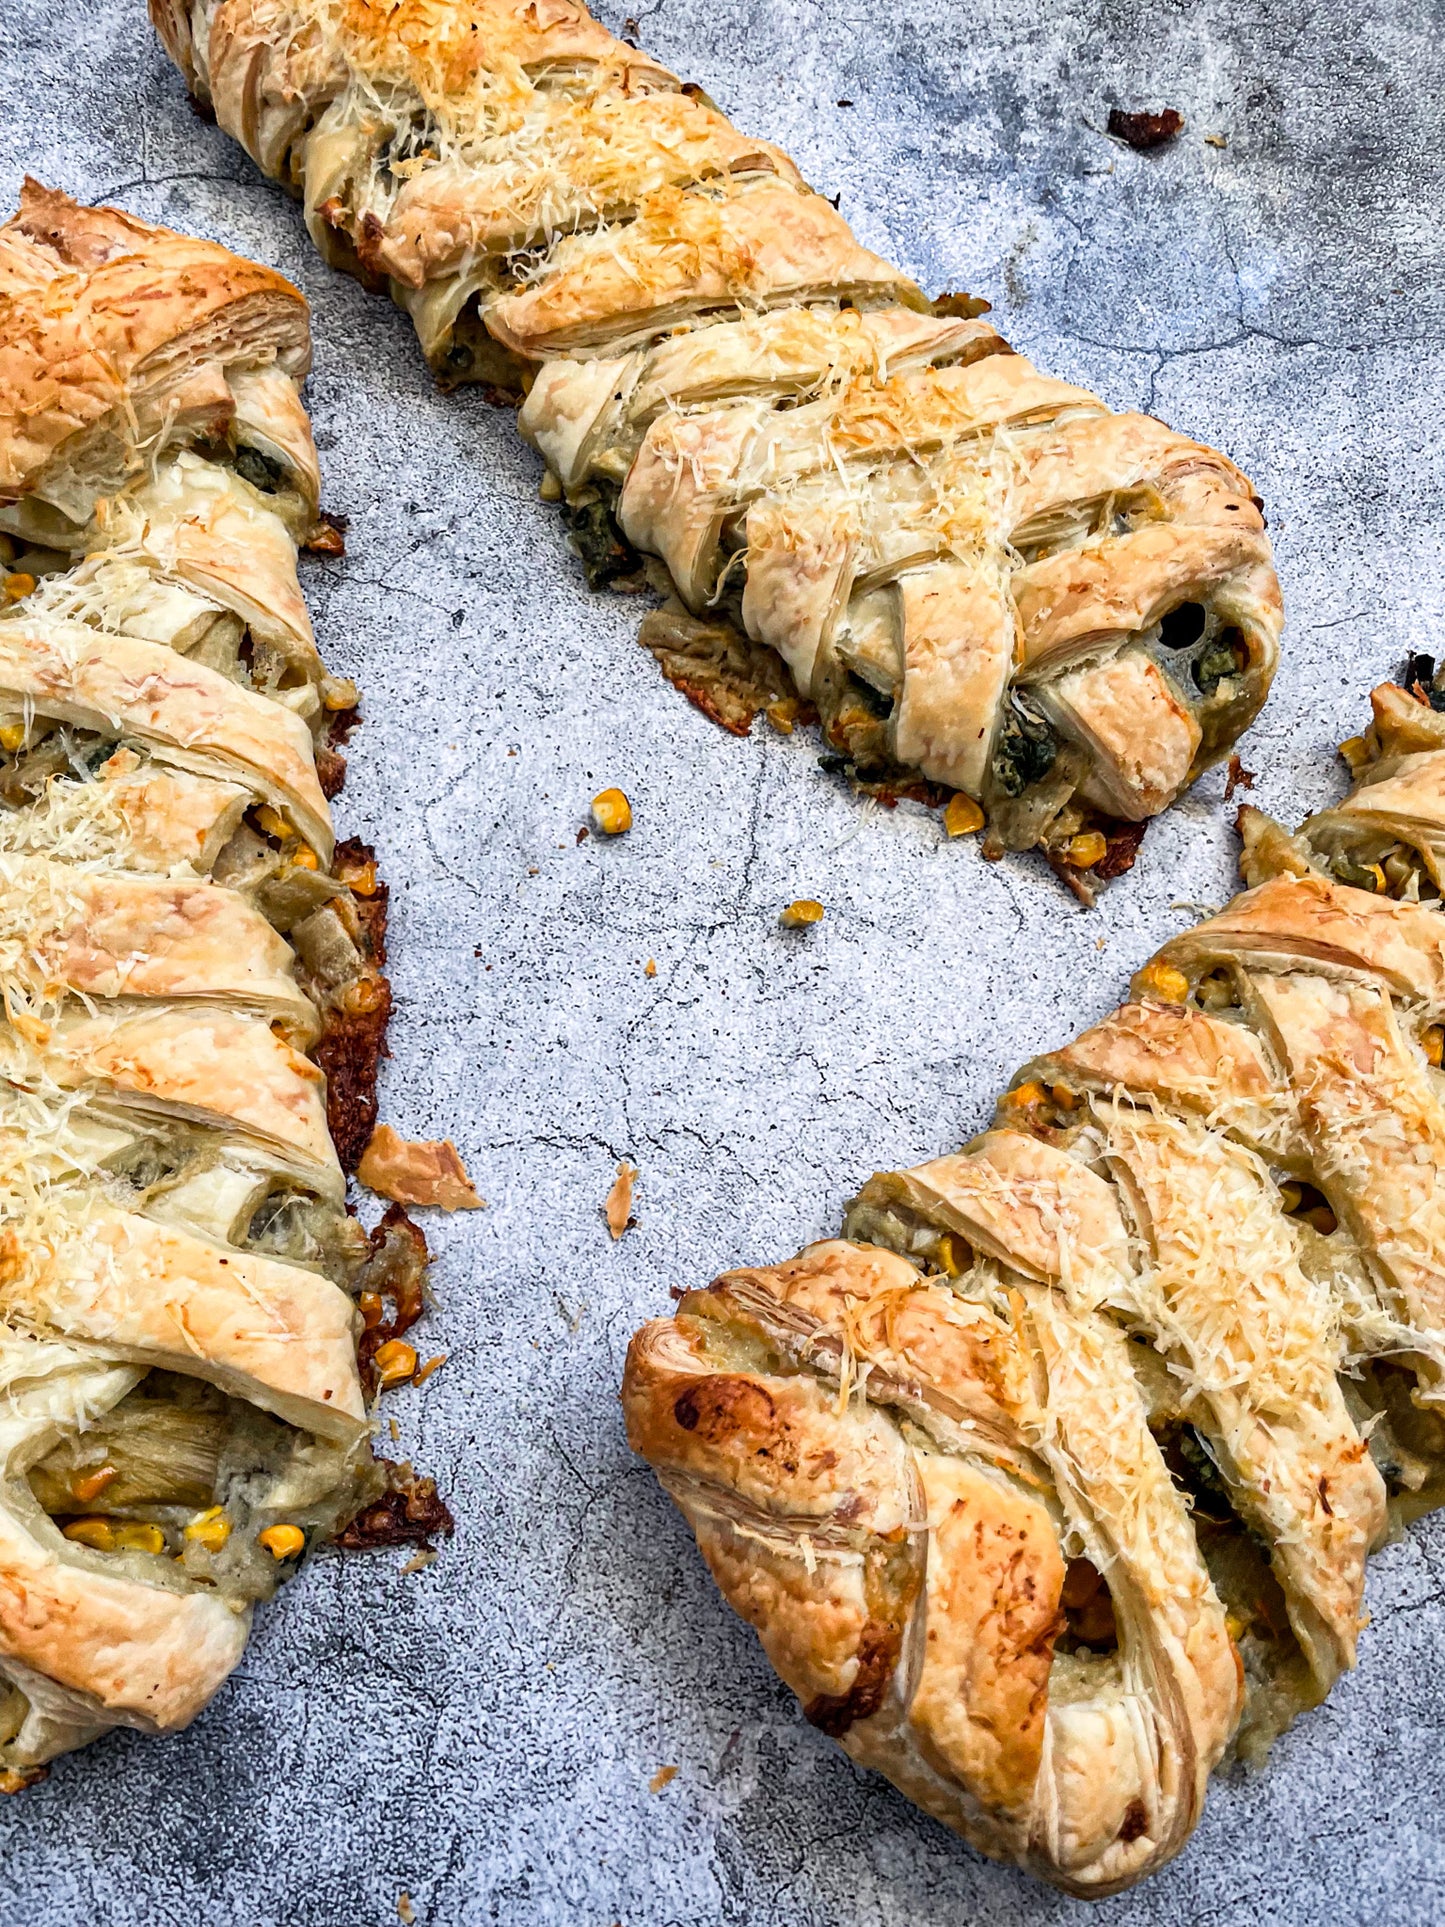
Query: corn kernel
{"points": [[1025, 1097], [783, 714], [1163, 982], [1235, 1627], [649, 969], [304, 859], [801, 913], [1322, 1219], [1289, 1198], [12, 736], [18, 586], [395, 1361], [1378, 882], [1084, 851], [271, 821], [611, 813], [370, 1307], [282, 1542], [138, 1538], [950, 1256], [86, 1486], [98, 1534], [963, 817], [360, 879], [1434, 1042], [340, 692], [210, 1529], [365, 995], [1355, 751]]}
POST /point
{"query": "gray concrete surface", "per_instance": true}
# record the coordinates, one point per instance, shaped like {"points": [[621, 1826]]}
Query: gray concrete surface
{"points": [[482, 1735]]}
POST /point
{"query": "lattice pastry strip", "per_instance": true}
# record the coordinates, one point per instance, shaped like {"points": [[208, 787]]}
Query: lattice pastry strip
{"points": [[183, 1406], [1161, 1355], [979, 576]]}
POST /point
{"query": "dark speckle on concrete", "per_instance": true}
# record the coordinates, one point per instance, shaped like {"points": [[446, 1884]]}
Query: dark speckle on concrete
{"points": [[482, 1734]]}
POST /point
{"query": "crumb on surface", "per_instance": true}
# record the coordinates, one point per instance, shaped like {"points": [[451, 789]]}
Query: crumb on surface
{"points": [[618, 1208]]}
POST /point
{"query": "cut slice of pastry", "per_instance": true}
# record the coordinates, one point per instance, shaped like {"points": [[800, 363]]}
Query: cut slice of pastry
{"points": [[1051, 1483], [185, 1400], [980, 579]]}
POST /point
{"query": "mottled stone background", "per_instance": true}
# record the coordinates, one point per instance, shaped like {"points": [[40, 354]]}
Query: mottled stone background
{"points": [[482, 1735]]}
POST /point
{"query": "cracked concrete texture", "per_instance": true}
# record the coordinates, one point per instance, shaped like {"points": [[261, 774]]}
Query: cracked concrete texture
{"points": [[482, 1735]]}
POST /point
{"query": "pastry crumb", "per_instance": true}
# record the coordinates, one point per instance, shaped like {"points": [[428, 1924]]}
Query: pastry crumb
{"points": [[420, 1560], [799, 914], [1216, 140], [618, 1208], [649, 969], [664, 1776], [411, 1172], [405, 1912]]}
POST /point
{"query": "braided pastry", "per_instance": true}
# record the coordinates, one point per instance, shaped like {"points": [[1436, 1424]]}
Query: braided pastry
{"points": [[184, 1409], [976, 574], [1051, 1483]]}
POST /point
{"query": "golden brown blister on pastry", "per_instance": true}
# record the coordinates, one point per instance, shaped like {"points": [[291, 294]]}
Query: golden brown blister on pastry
{"points": [[188, 1312], [1162, 1352], [979, 578]]}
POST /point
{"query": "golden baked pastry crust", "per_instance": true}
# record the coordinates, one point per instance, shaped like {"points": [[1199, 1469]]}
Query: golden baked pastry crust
{"points": [[1052, 1483], [184, 1405], [980, 577]]}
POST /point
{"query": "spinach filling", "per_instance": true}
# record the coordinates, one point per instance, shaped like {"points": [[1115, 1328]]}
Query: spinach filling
{"points": [[606, 553]]}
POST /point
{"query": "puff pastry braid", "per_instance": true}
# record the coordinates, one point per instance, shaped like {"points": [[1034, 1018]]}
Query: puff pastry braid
{"points": [[1051, 1482], [182, 1407], [978, 575]]}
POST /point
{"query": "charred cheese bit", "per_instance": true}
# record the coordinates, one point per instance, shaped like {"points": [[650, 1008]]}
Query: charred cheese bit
{"points": [[801, 913], [282, 1542], [611, 813]]}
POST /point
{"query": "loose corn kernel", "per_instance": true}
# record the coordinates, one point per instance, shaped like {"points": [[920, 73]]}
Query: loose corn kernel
{"points": [[1164, 982], [611, 813], [801, 913], [360, 879], [783, 714], [1289, 1198], [304, 859], [395, 1361], [1434, 1042], [271, 821], [12, 736], [98, 1534], [210, 1529], [649, 969], [370, 1307], [282, 1542], [138, 1538], [18, 586], [963, 817], [86, 1486], [1085, 850]]}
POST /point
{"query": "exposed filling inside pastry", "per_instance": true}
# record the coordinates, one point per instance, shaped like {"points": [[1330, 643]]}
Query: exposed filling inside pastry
{"points": [[182, 1485]]}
